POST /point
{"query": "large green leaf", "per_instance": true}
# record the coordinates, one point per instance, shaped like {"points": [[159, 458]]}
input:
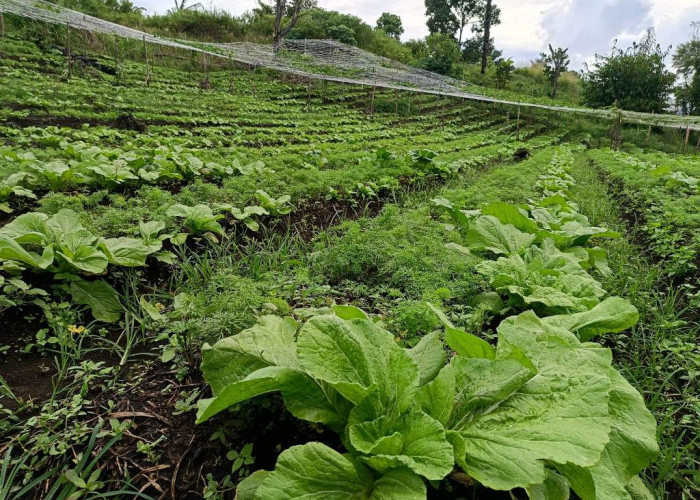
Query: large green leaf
{"points": [[263, 359], [430, 356], [415, 440], [357, 358], [559, 415], [84, 258], [488, 234], [128, 252], [28, 228], [510, 214], [11, 250], [102, 299], [613, 315], [631, 448], [316, 472], [436, 398], [554, 487]]}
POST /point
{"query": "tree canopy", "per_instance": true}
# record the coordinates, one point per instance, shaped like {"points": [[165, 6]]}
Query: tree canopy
{"points": [[635, 79], [390, 24]]}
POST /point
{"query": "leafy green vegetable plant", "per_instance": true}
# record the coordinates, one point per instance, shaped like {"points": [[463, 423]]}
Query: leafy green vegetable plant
{"points": [[537, 411], [199, 219], [274, 206], [61, 245]]}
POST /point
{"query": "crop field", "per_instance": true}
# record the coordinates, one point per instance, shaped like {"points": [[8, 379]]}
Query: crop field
{"points": [[243, 284]]}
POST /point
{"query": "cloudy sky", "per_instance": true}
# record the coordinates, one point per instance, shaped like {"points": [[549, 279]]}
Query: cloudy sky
{"points": [[585, 26]]}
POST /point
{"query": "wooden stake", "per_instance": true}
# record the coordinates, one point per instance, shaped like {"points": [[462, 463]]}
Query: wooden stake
{"points": [[68, 50], [148, 69], [374, 89], [308, 96], [255, 86], [687, 136], [2, 27], [517, 126], [697, 146], [442, 118], [649, 131], [231, 81]]}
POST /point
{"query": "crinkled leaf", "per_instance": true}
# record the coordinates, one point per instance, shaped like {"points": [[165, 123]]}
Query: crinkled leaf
{"points": [[416, 441], [356, 356], [554, 487], [436, 398], [315, 471], [429, 354], [488, 234], [560, 415], [632, 447]]}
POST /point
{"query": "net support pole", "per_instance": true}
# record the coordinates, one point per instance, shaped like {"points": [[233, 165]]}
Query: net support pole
{"points": [[231, 81], [145, 56], [308, 96], [68, 51], [255, 86], [374, 89], [649, 130], [442, 112], [687, 137], [517, 125], [697, 146], [2, 26]]}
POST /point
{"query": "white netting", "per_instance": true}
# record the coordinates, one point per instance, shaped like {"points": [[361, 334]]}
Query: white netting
{"points": [[319, 59]]}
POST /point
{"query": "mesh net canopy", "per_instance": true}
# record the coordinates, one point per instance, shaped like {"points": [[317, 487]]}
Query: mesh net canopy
{"points": [[321, 60]]}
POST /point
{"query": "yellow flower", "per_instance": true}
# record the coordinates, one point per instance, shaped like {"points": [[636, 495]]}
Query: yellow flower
{"points": [[160, 307], [76, 329]]}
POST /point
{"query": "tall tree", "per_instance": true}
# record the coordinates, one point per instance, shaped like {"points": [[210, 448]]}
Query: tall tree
{"points": [[687, 60], [390, 24], [441, 19], [636, 78], [451, 17], [487, 36], [555, 63], [292, 10]]}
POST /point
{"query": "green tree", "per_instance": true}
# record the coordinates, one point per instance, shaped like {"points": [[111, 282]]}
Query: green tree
{"points": [[441, 19], [391, 25], [452, 17], [555, 63], [686, 60], [291, 10], [635, 79], [504, 71], [441, 53], [342, 34], [488, 22]]}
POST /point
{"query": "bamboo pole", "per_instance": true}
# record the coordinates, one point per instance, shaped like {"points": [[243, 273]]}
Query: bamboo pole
{"points": [[517, 136], [687, 137]]}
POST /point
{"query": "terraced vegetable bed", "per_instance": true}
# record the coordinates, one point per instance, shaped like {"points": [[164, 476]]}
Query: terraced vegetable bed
{"points": [[266, 291]]}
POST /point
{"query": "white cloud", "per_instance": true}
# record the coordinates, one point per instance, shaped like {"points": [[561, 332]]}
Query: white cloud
{"points": [[586, 26]]}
